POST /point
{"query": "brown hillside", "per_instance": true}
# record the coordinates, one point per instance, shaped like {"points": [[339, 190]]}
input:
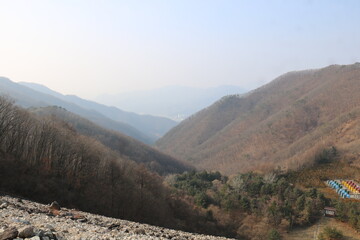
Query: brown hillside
{"points": [[45, 161], [284, 123], [125, 146]]}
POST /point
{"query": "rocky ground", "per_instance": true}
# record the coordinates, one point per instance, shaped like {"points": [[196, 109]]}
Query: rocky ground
{"points": [[22, 219]]}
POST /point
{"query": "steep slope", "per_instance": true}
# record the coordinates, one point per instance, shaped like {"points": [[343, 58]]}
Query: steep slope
{"points": [[45, 159], [284, 123], [175, 102], [123, 145], [27, 97], [153, 126]]}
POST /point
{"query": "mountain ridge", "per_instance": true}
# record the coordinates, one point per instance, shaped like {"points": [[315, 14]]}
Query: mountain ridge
{"points": [[152, 126], [27, 97], [259, 130]]}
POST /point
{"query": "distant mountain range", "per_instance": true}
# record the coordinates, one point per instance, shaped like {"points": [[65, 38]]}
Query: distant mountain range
{"points": [[152, 126], [145, 128], [289, 122], [175, 102]]}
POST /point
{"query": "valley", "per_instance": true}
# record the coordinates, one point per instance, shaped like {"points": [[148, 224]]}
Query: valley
{"points": [[174, 102], [251, 166], [179, 120]]}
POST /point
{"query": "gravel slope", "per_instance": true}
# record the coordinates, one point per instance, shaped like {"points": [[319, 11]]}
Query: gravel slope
{"points": [[22, 219]]}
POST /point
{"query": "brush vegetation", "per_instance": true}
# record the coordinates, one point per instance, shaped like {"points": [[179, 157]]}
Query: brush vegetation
{"points": [[250, 204]]}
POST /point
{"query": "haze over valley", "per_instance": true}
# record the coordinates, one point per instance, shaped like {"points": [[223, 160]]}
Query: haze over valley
{"points": [[174, 102], [179, 120]]}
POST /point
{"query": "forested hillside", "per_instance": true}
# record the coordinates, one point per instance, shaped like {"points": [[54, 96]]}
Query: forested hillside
{"points": [[44, 160], [125, 146], [284, 123], [276, 205]]}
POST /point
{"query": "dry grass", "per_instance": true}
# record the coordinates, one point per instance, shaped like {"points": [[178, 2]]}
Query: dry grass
{"points": [[313, 231], [316, 175]]}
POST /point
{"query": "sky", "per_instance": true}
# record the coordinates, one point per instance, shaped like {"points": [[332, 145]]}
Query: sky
{"points": [[88, 47]]}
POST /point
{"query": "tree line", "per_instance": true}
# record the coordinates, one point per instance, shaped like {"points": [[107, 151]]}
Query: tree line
{"points": [[269, 201]]}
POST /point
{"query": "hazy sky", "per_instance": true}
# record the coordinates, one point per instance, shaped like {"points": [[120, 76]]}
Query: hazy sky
{"points": [[87, 47]]}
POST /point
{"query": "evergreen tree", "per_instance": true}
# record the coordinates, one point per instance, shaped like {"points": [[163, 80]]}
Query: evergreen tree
{"points": [[274, 235]]}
